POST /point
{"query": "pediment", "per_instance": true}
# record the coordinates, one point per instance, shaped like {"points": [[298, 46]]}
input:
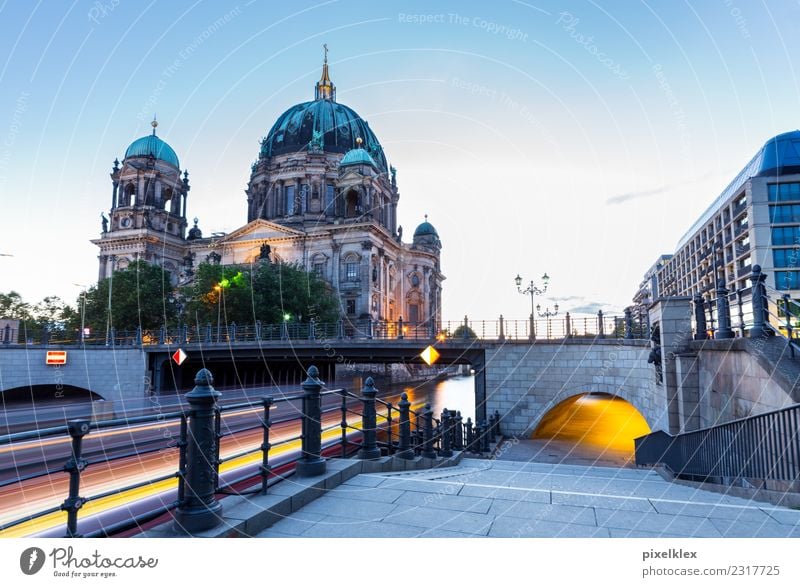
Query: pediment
{"points": [[259, 230], [351, 177]]}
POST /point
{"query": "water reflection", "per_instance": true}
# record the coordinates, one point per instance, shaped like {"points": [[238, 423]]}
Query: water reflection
{"points": [[598, 423], [454, 393]]}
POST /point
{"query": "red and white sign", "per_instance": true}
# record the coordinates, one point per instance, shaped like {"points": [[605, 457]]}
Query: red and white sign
{"points": [[179, 357], [55, 358]]}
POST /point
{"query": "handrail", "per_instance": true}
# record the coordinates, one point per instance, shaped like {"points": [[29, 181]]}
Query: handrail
{"points": [[763, 446], [501, 329], [422, 437]]}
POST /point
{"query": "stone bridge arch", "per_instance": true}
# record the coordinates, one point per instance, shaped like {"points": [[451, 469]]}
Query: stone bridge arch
{"points": [[524, 381], [632, 396]]}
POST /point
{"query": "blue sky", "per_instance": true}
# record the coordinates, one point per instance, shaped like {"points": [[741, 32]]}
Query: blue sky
{"points": [[577, 138]]}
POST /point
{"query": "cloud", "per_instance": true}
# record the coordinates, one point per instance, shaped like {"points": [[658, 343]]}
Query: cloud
{"points": [[591, 308], [621, 198]]}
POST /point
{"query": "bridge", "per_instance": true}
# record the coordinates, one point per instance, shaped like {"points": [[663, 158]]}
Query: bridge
{"points": [[523, 369]]}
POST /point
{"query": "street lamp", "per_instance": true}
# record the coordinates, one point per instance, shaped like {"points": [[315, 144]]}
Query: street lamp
{"points": [[547, 313], [532, 290], [83, 309], [218, 289]]}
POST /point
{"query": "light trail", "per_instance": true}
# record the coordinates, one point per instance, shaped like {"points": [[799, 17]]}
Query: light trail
{"points": [[49, 491]]}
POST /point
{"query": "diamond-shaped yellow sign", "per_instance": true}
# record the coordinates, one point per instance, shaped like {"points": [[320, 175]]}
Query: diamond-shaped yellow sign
{"points": [[430, 355]]}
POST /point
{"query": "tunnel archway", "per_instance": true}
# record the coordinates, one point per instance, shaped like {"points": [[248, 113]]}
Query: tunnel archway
{"points": [[593, 425], [47, 394]]}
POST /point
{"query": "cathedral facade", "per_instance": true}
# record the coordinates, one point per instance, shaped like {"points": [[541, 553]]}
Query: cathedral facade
{"points": [[320, 195]]}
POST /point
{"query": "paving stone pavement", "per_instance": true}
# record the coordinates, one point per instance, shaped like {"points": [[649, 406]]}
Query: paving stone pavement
{"points": [[485, 498]]}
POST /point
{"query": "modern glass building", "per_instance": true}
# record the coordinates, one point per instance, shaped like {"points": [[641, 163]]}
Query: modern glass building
{"points": [[755, 220]]}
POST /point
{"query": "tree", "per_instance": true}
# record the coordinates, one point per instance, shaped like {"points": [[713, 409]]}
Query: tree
{"points": [[261, 291], [13, 307], [141, 295], [464, 331], [54, 314]]}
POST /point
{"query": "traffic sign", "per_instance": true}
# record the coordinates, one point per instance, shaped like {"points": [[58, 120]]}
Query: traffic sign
{"points": [[430, 355], [179, 357], [56, 358]]}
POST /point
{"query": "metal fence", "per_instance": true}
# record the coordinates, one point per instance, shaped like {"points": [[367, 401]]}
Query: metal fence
{"points": [[378, 428], [761, 447], [759, 310], [599, 326]]}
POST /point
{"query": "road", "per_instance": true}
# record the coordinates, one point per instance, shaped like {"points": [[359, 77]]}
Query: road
{"points": [[147, 451]]}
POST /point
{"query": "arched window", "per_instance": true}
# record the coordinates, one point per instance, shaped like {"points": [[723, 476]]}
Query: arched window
{"points": [[130, 195], [352, 267], [166, 196], [290, 209], [352, 204], [330, 196], [319, 266]]}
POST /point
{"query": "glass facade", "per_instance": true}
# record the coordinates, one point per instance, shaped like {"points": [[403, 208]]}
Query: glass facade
{"points": [[786, 235], [784, 213], [783, 192], [786, 258], [785, 280]]}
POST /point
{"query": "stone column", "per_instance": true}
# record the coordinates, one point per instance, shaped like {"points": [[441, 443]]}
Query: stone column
{"points": [[673, 314], [157, 194], [114, 201]]}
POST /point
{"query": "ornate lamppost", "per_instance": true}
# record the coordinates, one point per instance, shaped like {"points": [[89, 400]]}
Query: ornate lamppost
{"points": [[532, 290], [547, 314]]}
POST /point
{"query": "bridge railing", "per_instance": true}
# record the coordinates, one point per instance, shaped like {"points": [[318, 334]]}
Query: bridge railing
{"points": [[757, 448], [370, 425], [551, 328], [759, 310]]}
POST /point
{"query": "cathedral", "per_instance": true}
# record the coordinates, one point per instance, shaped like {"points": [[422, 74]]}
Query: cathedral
{"points": [[320, 195]]}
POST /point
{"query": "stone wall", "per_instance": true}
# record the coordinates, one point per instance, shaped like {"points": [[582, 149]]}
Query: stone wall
{"points": [[523, 381], [113, 374], [733, 384]]}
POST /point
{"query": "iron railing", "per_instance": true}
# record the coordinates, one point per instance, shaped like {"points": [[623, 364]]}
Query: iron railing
{"points": [[392, 429], [598, 326], [761, 447]]}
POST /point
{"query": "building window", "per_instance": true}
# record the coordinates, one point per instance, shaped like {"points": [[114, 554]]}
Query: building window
{"points": [[786, 235], [787, 280], [329, 198], [413, 313], [319, 268], [351, 307], [784, 213], [304, 189], [289, 200], [351, 271], [786, 257], [783, 192]]}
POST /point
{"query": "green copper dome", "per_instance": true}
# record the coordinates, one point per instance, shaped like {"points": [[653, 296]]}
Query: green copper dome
{"points": [[357, 157], [322, 125], [426, 229], [152, 146]]}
